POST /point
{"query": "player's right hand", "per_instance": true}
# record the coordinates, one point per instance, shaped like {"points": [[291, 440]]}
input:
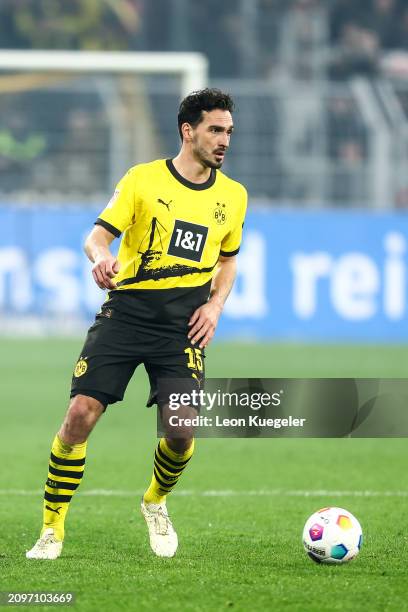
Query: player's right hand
{"points": [[104, 270]]}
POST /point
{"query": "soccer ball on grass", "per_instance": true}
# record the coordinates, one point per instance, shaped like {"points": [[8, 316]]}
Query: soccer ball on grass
{"points": [[332, 535]]}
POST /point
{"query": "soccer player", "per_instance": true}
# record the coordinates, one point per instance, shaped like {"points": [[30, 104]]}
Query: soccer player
{"points": [[181, 221]]}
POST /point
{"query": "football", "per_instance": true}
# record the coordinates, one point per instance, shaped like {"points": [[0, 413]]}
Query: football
{"points": [[332, 535]]}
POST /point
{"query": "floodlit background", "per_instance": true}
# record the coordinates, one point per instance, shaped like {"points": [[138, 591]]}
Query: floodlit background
{"points": [[321, 143]]}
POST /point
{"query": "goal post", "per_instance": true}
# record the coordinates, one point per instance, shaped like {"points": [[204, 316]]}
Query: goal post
{"points": [[123, 96], [193, 67], [73, 122]]}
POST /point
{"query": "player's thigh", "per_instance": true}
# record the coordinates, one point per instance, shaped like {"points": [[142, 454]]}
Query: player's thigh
{"points": [[107, 361], [179, 373]]}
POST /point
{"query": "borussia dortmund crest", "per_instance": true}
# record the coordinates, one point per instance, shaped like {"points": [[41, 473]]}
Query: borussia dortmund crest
{"points": [[80, 368], [219, 213]]}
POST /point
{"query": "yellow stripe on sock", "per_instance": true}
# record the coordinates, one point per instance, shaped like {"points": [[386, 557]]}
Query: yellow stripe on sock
{"points": [[66, 468], [58, 491], [171, 454], [68, 451], [66, 478]]}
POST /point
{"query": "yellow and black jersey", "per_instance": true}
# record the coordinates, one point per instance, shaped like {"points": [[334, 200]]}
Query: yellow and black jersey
{"points": [[173, 232]]}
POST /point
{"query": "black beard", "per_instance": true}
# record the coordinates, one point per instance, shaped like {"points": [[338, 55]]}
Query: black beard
{"points": [[213, 165], [206, 162]]}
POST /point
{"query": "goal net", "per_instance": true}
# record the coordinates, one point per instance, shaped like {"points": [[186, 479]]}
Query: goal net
{"points": [[74, 121]]}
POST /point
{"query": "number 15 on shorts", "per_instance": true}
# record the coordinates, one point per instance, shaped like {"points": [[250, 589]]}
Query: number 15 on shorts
{"points": [[195, 360]]}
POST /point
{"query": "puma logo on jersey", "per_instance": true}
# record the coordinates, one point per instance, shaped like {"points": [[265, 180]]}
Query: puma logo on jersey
{"points": [[167, 205], [52, 510]]}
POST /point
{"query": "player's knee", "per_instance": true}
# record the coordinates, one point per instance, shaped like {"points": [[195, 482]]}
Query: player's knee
{"points": [[179, 426], [180, 445], [84, 411]]}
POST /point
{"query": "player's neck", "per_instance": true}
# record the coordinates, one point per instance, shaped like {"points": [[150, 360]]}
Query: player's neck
{"points": [[190, 168]]}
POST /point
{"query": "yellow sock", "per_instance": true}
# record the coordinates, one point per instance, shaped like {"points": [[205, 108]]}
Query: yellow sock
{"points": [[65, 471], [168, 467]]}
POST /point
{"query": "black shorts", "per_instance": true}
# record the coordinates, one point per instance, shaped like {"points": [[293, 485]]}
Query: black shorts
{"points": [[114, 348]]}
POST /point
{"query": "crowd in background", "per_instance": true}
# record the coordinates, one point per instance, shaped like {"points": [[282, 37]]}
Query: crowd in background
{"points": [[54, 141], [241, 38], [264, 39], [363, 33], [70, 24]]}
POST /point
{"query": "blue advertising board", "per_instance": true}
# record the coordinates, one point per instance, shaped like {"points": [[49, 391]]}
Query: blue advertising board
{"points": [[313, 276]]}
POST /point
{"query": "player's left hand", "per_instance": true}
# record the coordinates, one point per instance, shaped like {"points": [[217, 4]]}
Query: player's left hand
{"points": [[203, 323]]}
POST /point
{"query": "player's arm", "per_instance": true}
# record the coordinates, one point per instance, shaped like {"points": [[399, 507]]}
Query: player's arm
{"points": [[106, 265], [113, 220], [204, 320], [223, 280]]}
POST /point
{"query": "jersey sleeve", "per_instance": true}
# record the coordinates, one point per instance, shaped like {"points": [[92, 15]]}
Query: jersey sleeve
{"points": [[232, 241], [120, 210]]}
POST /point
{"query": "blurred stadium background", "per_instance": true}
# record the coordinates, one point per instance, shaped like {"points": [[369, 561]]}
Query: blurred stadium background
{"points": [[322, 144]]}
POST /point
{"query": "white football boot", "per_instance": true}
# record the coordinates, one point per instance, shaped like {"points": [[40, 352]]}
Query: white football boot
{"points": [[163, 538], [47, 547]]}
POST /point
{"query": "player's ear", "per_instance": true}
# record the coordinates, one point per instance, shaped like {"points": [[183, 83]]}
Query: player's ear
{"points": [[187, 131]]}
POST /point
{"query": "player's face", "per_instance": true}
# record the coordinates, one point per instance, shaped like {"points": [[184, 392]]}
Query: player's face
{"points": [[211, 138]]}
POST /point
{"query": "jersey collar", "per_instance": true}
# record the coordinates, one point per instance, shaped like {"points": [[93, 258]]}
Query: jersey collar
{"points": [[196, 186]]}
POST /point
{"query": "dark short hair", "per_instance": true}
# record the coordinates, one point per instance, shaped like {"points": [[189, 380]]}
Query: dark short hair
{"points": [[192, 107]]}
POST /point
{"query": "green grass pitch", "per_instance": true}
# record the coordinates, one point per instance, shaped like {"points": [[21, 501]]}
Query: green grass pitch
{"points": [[239, 550]]}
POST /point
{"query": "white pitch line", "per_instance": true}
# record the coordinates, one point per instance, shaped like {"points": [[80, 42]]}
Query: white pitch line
{"points": [[220, 493]]}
